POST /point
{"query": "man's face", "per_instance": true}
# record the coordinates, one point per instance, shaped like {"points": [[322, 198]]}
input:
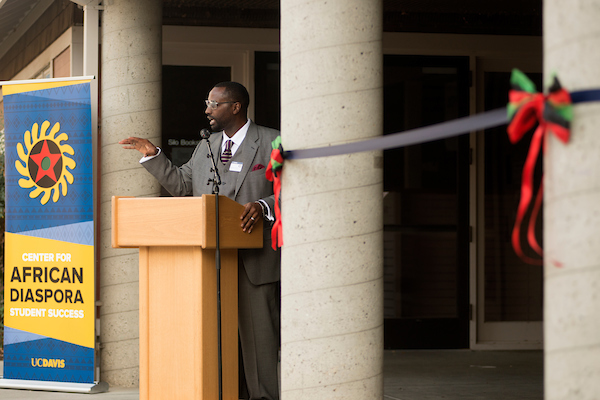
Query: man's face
{"points": [[221, 117]]}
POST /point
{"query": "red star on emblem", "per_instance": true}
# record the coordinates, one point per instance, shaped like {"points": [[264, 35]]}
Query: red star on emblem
{"points": [[46, 162]]}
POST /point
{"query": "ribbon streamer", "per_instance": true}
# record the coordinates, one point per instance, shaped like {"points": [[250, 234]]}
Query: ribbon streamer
{"points": [[460, 126], [443, 130], [551, 113], [488, 119], [273, 174]]}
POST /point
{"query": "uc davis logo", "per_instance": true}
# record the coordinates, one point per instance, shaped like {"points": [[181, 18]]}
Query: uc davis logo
{"points": [[48, 363], [44, 162]]}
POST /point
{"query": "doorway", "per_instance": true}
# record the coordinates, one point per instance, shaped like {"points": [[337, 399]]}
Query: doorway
{"points": [[184, 90], [509, 309], [426, 206]]}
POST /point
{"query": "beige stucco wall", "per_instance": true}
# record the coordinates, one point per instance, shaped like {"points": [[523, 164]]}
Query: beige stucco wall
{"points": [[131, 106], [572, 209]]}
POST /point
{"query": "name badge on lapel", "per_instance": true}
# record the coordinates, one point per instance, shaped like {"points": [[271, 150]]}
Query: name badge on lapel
{"points": [[236, 166]]}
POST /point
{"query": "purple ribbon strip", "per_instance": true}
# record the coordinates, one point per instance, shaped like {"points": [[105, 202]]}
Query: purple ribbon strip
{"points": [[429, 133], [488, 119]]}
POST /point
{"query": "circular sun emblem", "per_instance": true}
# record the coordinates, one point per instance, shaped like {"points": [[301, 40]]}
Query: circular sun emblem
{"points": [[45, 162]]}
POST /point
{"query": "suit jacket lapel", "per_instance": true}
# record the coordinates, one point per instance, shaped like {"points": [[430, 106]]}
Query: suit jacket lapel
{"points": [[250, 147]]}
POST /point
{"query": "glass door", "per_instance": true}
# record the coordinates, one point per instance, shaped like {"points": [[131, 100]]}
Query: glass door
{"points": [[509, 291], [426, 205], [185, 88]]}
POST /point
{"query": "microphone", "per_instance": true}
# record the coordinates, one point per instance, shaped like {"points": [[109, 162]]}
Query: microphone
{"points": [[216, 180], [205, 133]]}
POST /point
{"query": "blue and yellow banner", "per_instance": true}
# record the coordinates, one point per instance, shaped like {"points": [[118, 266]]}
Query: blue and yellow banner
{"points": [[49, 252]]}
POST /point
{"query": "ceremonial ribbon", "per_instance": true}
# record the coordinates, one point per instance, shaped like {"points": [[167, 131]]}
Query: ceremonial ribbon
{"points": [[273, 174], [526, 108], [552, 113]]}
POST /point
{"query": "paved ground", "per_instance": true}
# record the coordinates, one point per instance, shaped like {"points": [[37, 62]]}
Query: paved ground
{"points": [[463, 375], [410, 375]]}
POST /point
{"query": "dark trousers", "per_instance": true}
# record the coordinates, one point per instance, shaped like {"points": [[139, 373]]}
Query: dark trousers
{"points": [[258, 320]]}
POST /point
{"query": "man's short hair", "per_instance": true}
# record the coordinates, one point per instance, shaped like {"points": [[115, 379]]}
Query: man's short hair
{"points": [[236, 92]]}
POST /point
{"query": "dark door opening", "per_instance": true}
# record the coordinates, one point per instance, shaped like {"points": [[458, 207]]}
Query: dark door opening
{"points": [[513, 291], [184, 90], [426, 206]]}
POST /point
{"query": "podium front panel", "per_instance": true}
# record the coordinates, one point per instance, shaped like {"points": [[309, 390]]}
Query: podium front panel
{"points": [[178, 323]]}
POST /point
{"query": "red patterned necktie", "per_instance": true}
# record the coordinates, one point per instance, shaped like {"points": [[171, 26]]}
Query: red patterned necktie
{"points": [[226, 154]]}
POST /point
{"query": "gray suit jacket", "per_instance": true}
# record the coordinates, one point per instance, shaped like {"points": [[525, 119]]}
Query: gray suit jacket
{"points": [[262, 265]]}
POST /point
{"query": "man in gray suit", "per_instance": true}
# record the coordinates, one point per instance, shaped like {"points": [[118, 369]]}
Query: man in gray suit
{"points": [[242, 150]]}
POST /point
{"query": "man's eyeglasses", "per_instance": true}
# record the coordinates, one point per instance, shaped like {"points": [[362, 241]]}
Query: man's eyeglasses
{"points": [[213, 104]]}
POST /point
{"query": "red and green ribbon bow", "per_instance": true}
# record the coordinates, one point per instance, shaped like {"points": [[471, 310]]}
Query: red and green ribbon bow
{"points": [[273, 174], [552, 113]]}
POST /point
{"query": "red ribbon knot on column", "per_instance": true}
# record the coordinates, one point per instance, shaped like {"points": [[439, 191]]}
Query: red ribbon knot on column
{"points": [[273, 174], [552, 113]]}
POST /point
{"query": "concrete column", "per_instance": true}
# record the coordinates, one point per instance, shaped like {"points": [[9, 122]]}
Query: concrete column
{"points": [[332, 261], [572, 209], [131, 106]]}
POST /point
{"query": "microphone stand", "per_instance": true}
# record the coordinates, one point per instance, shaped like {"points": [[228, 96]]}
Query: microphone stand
{"points": [[216, 181]]}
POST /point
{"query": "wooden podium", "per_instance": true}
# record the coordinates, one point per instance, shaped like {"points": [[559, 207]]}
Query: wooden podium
{"points": [[178, 296]]}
